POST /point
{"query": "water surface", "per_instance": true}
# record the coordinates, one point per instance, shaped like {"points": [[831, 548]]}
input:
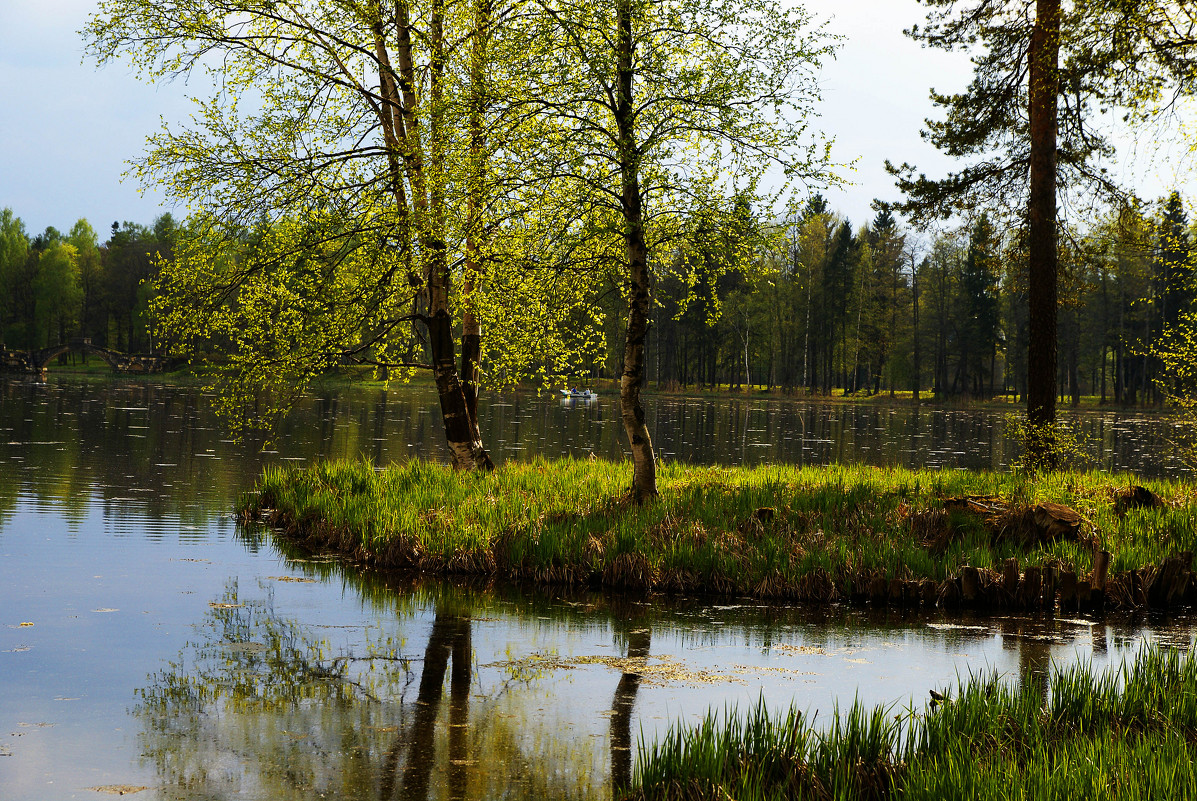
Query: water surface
{"points": [[171, 650]]}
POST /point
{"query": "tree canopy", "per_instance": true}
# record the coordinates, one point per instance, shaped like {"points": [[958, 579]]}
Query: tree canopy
{"points": [[661, 118], [367, 166], [357, 155]]}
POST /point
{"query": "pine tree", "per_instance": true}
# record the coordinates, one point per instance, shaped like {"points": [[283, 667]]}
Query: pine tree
{"points": [[1042, 70], [1173, 271], [981, 326]]}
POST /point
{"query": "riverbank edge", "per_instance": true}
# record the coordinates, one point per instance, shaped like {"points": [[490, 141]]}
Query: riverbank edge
{"points": [[882, 536]]}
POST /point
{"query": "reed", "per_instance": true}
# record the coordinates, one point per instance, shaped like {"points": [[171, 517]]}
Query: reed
{"points": [[1127, 733], [773, 531]]}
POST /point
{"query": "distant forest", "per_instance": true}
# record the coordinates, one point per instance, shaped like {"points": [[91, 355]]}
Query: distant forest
{"points": [[821, 307], [56, 286], [883, 309]]}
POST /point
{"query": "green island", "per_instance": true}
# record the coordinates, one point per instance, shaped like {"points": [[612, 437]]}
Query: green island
{"points": [[612, 199], [851, 533]]}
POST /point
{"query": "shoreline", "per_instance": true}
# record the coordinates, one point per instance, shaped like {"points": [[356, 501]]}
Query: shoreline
{"points": [[878, 536]]}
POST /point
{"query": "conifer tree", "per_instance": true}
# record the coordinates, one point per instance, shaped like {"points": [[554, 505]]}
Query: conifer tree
{"points": [[1042, 71]]}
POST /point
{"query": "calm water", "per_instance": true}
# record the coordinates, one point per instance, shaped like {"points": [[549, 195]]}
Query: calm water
{"points": [[145, 641]]}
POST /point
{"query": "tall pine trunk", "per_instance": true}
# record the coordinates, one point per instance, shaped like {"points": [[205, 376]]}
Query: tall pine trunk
{"points": [[914, 284], [1041, 213]]}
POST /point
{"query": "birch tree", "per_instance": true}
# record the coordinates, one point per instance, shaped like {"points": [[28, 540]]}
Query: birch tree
{"points": [[659, 113], [347, 177]]}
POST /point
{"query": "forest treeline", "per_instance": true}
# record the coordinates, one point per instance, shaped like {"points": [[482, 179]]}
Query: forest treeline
{"points": [[881, 308], [55, 286], [819, 306]]}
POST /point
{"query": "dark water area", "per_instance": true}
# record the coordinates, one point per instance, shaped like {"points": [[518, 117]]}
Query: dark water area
{"points": [[148, 642]]}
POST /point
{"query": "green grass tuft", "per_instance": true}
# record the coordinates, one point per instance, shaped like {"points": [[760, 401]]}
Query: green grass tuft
{"points": [[1130, 733]]}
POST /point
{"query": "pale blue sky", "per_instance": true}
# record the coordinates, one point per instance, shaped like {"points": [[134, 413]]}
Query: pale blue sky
{"points": [[67, 129]]}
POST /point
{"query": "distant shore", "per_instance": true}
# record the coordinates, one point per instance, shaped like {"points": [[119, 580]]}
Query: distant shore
{"points": [[608, 388], [884, 536]]}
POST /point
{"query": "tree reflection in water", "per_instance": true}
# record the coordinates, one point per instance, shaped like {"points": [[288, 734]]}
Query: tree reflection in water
{"points": [[257, 707], [631, 624], [450, 637]]}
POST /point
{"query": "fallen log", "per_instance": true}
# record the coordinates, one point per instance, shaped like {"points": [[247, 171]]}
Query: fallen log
{"points": [[1030, 526]]}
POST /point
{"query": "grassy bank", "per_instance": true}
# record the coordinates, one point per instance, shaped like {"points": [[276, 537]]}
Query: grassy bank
{"points": [[1125, 734], [825, 533]]}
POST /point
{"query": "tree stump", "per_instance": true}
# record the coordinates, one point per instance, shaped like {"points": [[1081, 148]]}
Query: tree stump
{"points": [[929, 592], [1136, 497], [1067, 590], [1010, 575], [879, 590], [1101, 567], [764, 514], [1031, 591], [1048, 599], [1084, 594], [949, 593], [1164, 590], [970, 584], [1141, 581]]}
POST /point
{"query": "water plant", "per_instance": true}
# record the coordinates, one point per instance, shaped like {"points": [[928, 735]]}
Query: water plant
{"points": [[1126, 733]]}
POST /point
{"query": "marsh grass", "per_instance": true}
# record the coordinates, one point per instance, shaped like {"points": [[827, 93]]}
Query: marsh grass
{"points": [[1127, 733], [772, 531]]}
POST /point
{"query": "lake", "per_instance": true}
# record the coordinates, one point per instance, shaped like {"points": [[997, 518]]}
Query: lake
{"points": [[148, 642]]}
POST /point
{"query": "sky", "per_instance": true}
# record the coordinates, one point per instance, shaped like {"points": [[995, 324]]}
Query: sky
{"points": [[68, 129]]}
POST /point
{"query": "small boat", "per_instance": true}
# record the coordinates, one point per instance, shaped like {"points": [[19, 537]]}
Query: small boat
{"points": [[570, 394]]}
